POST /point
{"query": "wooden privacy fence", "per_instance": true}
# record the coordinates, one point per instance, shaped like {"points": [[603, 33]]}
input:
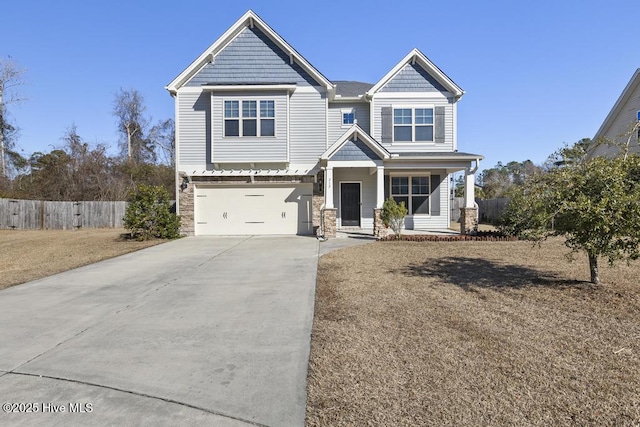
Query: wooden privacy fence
{"points": [[456, 204], [39, 214], [490, 210]]}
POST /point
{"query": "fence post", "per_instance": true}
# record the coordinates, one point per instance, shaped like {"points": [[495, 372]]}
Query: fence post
{"points": [[14, 213], [78, 214], [41, 214]]}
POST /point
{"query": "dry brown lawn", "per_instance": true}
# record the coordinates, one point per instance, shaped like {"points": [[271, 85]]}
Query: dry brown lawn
{"points": [[473, 334], [32, 254]]}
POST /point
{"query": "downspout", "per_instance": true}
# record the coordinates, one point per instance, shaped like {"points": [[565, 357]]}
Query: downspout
{"points": [[469, 186], [475, 169]]}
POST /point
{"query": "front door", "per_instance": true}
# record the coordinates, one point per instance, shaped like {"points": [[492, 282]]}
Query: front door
{"points": [[350, 204]]}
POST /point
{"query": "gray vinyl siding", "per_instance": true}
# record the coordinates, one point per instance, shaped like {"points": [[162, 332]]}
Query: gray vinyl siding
{"points": [[357, 150], [368, 191], [251, 58], [427, 222], [249, 149], [440, 222], [194, 113], [307, 126], [413, 78], [447, 103], [335, 128]]}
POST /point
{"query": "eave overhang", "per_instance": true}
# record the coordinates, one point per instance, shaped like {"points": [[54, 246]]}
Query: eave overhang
{"points": [[617, 107], [251, 87], [437, 156]]}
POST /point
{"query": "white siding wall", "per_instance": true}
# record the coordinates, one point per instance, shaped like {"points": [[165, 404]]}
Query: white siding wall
{"points": [[307, 125], [368, 189], [619, 128], [256, 149], [427, 100], [335, 128], [193, 110]]}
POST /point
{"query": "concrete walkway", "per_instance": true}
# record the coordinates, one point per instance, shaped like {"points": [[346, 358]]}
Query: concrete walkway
{"points": [[199, 331]]}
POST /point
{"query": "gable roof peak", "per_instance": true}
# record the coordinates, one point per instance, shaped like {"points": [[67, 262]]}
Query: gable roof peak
{"points": [[250, 19], [413, 57], [622, 99], [356, 132]]}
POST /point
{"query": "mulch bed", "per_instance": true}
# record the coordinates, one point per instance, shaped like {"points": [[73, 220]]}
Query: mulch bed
{"points": [[480, 236]]}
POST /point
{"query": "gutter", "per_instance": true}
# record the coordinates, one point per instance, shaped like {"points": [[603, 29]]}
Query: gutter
{"points": [[396, 156]]}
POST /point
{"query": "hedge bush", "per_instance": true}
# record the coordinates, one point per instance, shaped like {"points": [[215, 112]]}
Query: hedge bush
{"points": [[393, 215], [149, 215]]}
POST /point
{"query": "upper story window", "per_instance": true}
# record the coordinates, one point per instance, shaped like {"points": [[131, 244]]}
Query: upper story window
{"points": [[348, 116], [249, 118], [413, 124]]}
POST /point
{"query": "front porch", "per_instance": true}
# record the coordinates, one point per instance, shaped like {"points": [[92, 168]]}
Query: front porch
{"points": [[358, 174], [353, 197]]}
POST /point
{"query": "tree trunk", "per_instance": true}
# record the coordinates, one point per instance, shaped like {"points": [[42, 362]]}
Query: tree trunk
{"points": [[128, 143], [2, 153], [593, 267]]}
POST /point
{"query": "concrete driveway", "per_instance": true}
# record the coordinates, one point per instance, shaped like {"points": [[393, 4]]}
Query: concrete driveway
{"points": [[198, 331]]}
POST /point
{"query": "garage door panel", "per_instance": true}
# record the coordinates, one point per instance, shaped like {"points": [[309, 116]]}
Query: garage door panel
{"points": [[244, 210]]}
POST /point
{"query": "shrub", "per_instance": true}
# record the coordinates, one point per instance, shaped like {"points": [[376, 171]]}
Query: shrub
{"points": [[393, 215], [149, 214]]}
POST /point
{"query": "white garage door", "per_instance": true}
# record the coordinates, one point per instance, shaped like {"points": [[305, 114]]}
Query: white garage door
{"points": [[253, 209]]}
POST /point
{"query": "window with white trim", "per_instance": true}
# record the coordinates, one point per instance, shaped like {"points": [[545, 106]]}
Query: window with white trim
{"points": [[413, 191], [348, 116], [413, 124], [249, 118]]}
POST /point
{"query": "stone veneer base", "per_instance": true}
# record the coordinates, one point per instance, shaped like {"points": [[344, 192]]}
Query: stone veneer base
{"points": [[468, 220]]}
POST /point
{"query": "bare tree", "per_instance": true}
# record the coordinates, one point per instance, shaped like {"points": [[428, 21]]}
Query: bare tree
{"points": [[129, 110], [10, 77], [163, 136]]}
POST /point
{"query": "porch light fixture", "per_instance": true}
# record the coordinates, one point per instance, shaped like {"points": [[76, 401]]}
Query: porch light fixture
{"points": [[185, 183]]}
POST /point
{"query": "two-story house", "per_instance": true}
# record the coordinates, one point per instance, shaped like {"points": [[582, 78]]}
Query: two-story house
{"points": [[266, 144]]}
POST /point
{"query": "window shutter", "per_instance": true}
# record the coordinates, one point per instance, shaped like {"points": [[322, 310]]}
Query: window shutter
{"points": [[439, 125], [387, 190], [435, 195], [387, 125]]}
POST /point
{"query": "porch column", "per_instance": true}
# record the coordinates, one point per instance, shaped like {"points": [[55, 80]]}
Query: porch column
{"points": [[328, 188], [380, 187], [469, 213], [469, 189]]}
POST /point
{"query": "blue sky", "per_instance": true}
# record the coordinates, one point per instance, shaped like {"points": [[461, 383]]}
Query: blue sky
{"points": [[536, 74]]}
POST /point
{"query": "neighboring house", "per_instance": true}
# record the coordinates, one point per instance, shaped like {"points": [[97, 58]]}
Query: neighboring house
{"points": [[621, 125], [266, 144]]}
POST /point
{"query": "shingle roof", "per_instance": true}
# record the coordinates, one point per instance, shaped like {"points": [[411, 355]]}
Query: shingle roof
{"points": [[349, 88]]}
